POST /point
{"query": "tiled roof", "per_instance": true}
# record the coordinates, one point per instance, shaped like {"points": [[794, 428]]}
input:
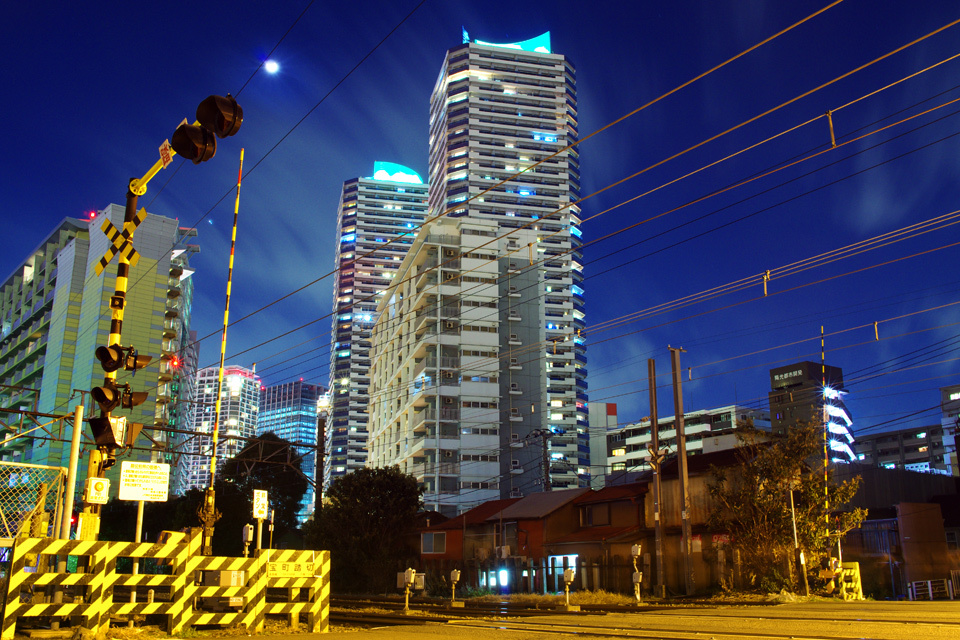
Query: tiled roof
{"points": [[539, 505]]}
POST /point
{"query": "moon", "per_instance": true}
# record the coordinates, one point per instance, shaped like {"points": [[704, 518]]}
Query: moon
{"points": [[271, 66]]}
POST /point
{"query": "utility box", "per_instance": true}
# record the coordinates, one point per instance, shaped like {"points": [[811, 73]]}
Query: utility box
{"points": [[224, 578], [419, 581]]}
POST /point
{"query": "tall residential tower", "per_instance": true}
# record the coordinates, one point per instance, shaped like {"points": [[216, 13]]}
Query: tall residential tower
{"points": [[376, 222], [496, 110]]}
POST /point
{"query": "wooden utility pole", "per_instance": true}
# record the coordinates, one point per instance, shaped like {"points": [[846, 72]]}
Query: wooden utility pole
{"points": [[656, 457], [686, 539]]}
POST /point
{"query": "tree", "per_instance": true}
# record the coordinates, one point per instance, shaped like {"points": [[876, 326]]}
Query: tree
{"points": [[272, 464], [364, 521], [752, 502]]}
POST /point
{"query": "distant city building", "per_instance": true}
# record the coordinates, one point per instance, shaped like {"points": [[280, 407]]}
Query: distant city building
{"points": [[239, 407], [496, 110], [54, 314], [377, 220], [290, 411], [811, 393], [927, 449], [706, 431], [603, 421]]}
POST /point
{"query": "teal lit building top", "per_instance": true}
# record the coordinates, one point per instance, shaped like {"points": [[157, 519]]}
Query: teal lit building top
{"points": [[539, 44], [393, 172]]}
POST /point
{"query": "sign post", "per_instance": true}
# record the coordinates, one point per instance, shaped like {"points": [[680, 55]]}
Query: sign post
{"points": [[143, 482], [260, 505]]}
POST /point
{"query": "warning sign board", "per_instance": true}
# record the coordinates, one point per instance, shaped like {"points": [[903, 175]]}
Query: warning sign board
{"points": [[147, 481]]}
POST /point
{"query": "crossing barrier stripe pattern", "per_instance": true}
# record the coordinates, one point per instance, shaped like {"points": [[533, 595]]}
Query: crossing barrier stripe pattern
{"points": [[182, 552]]}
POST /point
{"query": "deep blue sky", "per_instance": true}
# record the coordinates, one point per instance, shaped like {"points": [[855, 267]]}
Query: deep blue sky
{"points": [[92, 89]]}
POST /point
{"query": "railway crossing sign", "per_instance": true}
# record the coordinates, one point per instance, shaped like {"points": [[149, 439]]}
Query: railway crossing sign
{"points": [[120, 241]]}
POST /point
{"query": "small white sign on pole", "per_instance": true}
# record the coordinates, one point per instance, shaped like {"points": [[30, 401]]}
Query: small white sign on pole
{"points": [[147, 481], [260, 504]]}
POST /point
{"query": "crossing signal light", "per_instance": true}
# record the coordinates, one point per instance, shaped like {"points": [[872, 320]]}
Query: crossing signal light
{"points": [[130, 399], [194, 143], [219, 117], [220, 114], [108, 432], [107, 396], [135, 361], [111, 358]]}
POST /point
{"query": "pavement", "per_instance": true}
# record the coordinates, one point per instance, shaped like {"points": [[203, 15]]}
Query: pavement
{"points": [[868, 619]]}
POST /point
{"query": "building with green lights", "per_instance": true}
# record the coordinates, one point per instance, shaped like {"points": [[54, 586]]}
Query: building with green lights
{"points": [[55, 313], [377, 220]]}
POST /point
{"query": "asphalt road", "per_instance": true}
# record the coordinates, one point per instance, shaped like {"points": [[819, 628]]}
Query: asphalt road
{"points": [[801, 621]]}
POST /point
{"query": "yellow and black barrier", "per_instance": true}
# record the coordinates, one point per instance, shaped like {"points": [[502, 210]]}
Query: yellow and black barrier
{"points": [[303, 575]]}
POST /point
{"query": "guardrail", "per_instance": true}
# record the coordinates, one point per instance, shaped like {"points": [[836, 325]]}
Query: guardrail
{"points": [[199, 590]]}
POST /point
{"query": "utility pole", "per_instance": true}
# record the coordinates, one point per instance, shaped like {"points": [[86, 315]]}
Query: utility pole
{"points": [[656, 458], [686, 539]]}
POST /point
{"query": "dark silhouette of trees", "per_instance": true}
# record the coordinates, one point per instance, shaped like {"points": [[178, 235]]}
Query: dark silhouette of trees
{"points": [[753, 503], [366, 522]]}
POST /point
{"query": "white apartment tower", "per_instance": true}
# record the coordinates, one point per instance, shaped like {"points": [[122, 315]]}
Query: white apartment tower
{"points": [[377, 220], [496, 110], [458, 382], [239, 408]]}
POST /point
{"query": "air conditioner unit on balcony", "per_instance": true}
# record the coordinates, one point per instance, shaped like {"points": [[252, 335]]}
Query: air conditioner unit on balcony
{"points": [[447, 400], [447, 453]]}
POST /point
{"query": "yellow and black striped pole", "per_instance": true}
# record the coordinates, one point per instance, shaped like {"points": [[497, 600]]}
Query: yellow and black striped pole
{"points": [[208, 512]]}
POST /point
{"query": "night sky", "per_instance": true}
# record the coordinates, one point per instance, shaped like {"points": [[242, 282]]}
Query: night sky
{"points": [[91, 90]]}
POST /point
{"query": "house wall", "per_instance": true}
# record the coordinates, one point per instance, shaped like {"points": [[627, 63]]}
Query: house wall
{"points": [[924, 541]]}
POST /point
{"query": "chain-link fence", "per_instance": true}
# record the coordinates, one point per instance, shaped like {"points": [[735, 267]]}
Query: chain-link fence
{"points": [[31, 499]]}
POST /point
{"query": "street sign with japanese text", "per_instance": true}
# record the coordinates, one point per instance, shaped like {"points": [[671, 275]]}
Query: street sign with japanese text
{"points": [[260, 504], [147, 481]]}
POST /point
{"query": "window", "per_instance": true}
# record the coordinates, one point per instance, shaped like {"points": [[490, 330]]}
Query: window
{"points": [[433, 542], [595, 515]]}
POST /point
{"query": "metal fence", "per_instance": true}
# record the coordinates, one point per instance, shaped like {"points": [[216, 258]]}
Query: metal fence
{"points": [[31, 499]]}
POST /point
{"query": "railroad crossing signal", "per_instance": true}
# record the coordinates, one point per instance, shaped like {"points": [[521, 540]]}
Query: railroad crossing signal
{"points": [[120, 241]]}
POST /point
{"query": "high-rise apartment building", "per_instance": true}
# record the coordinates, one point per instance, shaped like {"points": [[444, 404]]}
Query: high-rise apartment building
{"points": [[377, 220], [290, 410], [498, 110], [54, 311], [812, 393], [458, 385], [239, 407]]}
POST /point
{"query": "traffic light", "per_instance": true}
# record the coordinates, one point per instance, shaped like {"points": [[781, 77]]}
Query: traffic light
{"points": [[107, 396], [111, 358], [219, 117]]}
